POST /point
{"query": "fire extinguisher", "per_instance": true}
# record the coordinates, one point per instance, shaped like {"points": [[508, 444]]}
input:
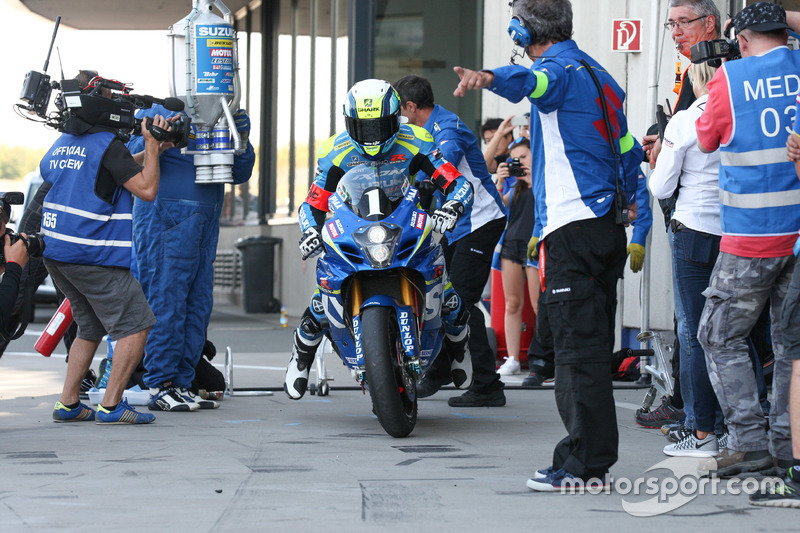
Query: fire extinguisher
{"points": [[55, 329]]}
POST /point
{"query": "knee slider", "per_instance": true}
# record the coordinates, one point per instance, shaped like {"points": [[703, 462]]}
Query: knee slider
{"points": [[309, 325], [453, 311]]}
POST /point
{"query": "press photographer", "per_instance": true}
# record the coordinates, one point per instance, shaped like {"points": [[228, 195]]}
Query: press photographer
{"points": [[13, 258]]}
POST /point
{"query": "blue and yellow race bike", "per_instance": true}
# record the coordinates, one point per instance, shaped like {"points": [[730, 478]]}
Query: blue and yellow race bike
{"points": [[382, 281]]}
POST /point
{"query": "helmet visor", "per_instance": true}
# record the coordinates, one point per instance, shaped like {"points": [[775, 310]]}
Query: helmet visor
{"points": [[372, 131]]}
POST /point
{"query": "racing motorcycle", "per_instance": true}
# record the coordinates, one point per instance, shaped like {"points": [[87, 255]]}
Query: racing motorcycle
{"points": [[381, 283]]}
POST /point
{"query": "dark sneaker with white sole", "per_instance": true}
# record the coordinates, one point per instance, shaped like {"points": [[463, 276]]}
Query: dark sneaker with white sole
{"points": [[785, 494], [663, 414], [565, 483], [677, 434]]}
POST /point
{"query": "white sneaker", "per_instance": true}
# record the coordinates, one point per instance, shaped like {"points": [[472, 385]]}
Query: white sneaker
{"points": [[169, 398], [201, 403], [691, 446], [509, 368]]}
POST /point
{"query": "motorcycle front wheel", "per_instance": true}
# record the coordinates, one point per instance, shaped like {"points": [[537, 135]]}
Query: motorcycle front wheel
{"points": [[391, 386]]}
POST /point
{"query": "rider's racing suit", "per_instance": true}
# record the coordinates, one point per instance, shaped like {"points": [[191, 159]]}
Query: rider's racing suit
{"points": [[415, 151]]}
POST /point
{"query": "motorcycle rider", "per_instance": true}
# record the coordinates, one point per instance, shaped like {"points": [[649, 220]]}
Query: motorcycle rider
{"points": [[374, 133]]}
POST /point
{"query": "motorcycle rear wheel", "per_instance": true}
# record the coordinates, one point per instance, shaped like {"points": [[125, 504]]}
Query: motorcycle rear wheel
{"points": [[391, 386]]}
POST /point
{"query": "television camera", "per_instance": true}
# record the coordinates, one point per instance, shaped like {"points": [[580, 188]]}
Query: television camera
{"points": [[103, 103]]}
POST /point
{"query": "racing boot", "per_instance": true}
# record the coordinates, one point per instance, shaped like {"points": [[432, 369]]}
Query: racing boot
{"points": [[461, 360], [307, 337]]}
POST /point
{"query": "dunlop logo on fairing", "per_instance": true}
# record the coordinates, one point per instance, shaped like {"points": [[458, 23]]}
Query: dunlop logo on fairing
{"points": [[357, 335], [405, 332]]}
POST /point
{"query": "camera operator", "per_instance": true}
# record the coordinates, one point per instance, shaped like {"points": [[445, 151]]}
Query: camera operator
{"points": [[16, 255], [583, 232], [745, 119], [87, 223]]}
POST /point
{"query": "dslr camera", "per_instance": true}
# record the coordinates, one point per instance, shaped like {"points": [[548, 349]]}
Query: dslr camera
{"points": [[515, 168], [715, 51], [34, 242]]}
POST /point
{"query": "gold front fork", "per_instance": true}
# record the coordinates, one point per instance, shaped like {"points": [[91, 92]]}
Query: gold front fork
{"points": [[407, 293], [356, 297]]}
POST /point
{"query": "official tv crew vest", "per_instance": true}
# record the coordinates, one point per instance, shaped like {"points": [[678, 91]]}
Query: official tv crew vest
{"points": [[78, 226], [759, 189]]}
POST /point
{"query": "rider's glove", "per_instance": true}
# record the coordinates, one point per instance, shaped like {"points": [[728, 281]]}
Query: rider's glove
{"points": [[533, 249], [445, 218], [797, 248], [310, 243]]}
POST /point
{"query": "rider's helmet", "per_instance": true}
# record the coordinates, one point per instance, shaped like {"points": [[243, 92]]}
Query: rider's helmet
{"points": [[372, 117]]}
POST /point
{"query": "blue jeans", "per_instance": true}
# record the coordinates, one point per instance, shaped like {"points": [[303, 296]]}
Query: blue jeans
{"points": [[693, 257], [684, 342]]}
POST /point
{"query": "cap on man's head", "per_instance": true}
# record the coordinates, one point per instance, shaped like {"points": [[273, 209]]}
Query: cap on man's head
{"points": [[761, 17]]}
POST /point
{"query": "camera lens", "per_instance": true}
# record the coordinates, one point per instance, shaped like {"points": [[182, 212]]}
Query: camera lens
{"points": [[35, 244]]}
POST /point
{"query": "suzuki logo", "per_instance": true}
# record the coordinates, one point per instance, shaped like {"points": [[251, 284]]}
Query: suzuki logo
{"points": [[214, 31]]}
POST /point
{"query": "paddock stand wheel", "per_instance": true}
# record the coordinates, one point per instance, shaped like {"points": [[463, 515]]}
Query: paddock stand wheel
{"points": [[321, 386]]}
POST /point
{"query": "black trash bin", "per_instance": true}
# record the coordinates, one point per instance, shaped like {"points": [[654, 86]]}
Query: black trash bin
{"points": [[258, 268]]}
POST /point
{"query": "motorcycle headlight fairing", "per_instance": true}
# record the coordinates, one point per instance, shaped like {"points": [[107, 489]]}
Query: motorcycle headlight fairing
{"points": [[378, 242]]}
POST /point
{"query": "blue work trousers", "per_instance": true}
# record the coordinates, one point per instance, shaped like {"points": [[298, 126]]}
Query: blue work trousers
{"points": [[176, 243]]}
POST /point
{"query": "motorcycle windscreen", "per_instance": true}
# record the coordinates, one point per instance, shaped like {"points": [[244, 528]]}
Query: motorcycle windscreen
{"points": [[373, 191]]}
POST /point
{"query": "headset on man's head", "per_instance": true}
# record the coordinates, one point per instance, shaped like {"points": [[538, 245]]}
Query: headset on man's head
{"points": [[520, 33]]}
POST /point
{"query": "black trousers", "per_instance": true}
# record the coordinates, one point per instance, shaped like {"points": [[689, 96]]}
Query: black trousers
{"points": [[469, 263], [583, 261], [541, 356]]}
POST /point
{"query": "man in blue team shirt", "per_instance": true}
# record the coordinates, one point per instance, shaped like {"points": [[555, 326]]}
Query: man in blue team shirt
{"points": [[468, 248], [585, 170]]}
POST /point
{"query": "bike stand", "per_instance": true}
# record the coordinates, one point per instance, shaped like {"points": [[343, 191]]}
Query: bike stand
{"points": [[661, 380], [321, 386], [229, 390]]}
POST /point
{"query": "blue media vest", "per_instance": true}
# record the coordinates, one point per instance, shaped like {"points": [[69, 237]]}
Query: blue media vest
{"points": [[759, 190], [78, 226]]}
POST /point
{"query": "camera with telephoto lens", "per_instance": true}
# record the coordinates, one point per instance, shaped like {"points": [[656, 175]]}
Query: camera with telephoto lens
{"points": [[515, 168], [715, 51], [33, 242]]}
